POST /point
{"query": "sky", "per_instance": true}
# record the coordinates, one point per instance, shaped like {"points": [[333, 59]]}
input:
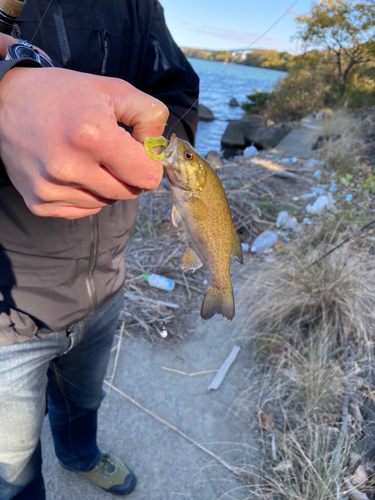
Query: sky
{"points": [[234, 24]]}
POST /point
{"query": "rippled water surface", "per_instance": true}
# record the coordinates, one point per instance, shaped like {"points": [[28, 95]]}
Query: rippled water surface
{"points": [[218, 84]]}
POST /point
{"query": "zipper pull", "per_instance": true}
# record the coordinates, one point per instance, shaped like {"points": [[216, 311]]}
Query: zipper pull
{"points": [[156, 46], [104, 46]]}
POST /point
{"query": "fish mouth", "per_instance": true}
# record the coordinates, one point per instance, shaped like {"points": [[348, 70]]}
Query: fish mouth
{"points": [[169, 150]]}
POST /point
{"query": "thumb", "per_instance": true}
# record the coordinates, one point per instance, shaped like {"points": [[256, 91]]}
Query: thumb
{"points": [[146, 114], [5, 41]]}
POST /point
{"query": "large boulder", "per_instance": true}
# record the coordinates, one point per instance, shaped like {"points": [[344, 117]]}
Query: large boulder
{"points": [[205, 114], [242, 133], [214, 159]]}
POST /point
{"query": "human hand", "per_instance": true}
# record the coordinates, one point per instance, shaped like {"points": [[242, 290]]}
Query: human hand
{"points": [[62, 147]]}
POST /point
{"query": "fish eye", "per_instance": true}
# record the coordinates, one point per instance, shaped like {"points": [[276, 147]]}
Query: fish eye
{"points": [[189, 155]]}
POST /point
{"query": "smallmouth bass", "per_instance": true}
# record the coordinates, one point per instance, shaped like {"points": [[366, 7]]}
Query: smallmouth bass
{"points": [[200, 203]]}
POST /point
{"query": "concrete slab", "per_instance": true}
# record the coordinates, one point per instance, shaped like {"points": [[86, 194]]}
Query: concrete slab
{"points": [[298, 143], [167, 466]]}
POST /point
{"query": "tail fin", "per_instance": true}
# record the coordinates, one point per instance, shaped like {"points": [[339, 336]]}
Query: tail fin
{"points": [[218, 301]]}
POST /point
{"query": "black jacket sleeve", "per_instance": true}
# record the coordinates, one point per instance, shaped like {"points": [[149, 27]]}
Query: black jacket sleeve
{"points": [[171, 79], [5, 66]]}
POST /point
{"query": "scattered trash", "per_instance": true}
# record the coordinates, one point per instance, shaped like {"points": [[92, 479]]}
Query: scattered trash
{"points": [[163, 332], [311, 163], [306, 220], [219, 377], [245, 247], [333, 188], [317, 174], [323, 202], [159, 282], [264, 242], [349, 197], [360, 476], [250, 151], [307, 196], [354, 493], [284, 221], [318, 190], [273, 157], [289, 160]]}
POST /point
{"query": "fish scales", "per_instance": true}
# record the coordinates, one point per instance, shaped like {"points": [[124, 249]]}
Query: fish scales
{"points": [[201, 204]]}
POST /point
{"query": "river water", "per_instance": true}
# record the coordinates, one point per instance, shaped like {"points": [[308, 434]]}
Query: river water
{"points": [[220, 82]]}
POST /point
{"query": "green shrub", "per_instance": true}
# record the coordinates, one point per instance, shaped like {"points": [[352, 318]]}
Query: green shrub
{"points": [[258, 102], [297, 95]]}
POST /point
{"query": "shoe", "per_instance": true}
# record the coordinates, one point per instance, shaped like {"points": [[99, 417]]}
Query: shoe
{"points": [[112, 475]]}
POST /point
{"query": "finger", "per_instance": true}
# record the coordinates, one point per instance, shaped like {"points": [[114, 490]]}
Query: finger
{"points": [[90, 194], [146, 114], [61, 211], [119, 163], [5, 41]]}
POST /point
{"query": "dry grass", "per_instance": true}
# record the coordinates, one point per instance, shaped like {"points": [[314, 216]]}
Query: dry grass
{"points": [[313, 327], [342, 147], [335, 296]]}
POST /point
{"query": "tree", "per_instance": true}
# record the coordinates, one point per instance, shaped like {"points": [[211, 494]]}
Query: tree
{"points": [[346, 28]]}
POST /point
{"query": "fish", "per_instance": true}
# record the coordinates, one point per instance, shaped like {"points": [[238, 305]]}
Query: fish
{"points": [[201, 205]]}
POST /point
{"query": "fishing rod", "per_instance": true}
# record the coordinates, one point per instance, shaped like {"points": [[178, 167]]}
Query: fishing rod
{"points": [[9, 12], [366, 226]]}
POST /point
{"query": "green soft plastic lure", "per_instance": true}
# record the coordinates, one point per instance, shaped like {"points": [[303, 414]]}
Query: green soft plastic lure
{"points": [[152, 142]]}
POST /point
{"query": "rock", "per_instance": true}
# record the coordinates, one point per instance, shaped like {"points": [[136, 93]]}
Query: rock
{"points": [[234, 135], [205, 114], [254, 120], [244, 132], [322, 140], [214, 159], [233, 102]]}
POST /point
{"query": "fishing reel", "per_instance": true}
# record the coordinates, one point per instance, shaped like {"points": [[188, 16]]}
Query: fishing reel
{"points": [[24, 50]]}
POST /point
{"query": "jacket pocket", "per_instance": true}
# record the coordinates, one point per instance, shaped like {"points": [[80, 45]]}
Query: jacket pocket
{"points": [[15, 326]]}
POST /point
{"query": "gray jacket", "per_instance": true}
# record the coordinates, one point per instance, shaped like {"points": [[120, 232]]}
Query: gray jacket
{"points": [[54, 272]]}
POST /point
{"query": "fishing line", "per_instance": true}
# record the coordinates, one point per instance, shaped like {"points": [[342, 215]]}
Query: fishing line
{"points": [[40, 22], [232, 62], [366, 226]]}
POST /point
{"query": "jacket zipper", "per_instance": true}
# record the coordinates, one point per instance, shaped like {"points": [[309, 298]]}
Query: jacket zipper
{"points": [[103, 36], [159, 56], [63, 37], [93, 255]]}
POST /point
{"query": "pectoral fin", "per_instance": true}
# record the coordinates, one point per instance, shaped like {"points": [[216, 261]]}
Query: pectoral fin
{"points": [[191, 261], [237, 247], [176, 217], [218, 301]]}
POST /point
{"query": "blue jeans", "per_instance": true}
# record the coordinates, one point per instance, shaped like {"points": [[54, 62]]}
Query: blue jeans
{"points": [[69, 369]]}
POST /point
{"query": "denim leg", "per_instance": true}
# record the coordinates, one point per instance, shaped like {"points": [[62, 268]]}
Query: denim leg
{"points": [[23, 380], [74, 390]]}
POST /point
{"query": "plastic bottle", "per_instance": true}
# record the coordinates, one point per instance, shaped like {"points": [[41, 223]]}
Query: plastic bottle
{"points": [[289, 160], [159, 282], [264, 241]]}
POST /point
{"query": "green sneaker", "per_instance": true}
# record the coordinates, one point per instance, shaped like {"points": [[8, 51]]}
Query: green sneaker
{"points": [[112, 475]]}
